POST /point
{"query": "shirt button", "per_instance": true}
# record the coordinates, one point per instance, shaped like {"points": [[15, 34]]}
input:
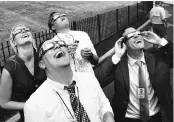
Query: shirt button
{"points": [[36, 85]]}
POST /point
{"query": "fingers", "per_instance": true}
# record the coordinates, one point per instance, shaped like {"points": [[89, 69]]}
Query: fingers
{"points": [[146, 33], [86, 53], [120, 43]]}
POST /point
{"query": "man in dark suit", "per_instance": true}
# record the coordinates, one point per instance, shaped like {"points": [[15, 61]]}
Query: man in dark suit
{"points": [[153, 72]]}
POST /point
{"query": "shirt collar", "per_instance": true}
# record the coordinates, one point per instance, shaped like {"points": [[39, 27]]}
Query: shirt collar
{"points": [[58, 86], [132, 61]]}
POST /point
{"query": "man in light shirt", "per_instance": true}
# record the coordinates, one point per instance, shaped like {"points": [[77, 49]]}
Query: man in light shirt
{"points": [[52, 102], [158, 19], [155, 73], [81, 49]]}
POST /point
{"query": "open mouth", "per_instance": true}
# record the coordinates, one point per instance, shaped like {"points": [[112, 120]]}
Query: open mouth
{"points": [[63, 18], [138, 41], [59, 54], [25, 35]]}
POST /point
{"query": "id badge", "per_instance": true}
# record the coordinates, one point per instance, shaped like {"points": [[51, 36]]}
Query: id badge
{"points": [[141, 93]]}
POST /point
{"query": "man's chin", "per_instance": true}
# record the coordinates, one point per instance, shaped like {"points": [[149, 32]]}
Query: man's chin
{"points": [[26, 43]]}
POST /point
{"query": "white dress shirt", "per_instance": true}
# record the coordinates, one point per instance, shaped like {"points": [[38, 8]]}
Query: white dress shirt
{"points": [[81, 64], [133, 109], [45, 105]]}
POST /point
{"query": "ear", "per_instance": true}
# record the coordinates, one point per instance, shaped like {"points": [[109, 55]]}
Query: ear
{"points": [[41, 65], [53, 27]]}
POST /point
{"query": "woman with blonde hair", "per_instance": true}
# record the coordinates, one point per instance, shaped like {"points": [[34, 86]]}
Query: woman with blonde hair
{"points": [[21, 75]]}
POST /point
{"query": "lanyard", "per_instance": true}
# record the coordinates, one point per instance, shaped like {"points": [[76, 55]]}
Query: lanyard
{"points": [[65, 103]]}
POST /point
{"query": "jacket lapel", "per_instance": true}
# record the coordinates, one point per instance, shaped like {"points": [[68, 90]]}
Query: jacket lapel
{"points": [[125, 72], [150, 61]]}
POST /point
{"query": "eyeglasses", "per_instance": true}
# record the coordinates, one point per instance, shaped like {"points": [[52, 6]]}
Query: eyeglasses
{"points": [[56, 16], [18, 31], [51, 45], [133, 34]]}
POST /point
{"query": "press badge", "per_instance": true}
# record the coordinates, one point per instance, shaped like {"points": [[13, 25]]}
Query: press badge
{"points": [[141, 93]]}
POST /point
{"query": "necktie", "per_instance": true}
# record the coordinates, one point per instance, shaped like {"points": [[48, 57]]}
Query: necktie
{"points": [[77, 107], [142, 94]]}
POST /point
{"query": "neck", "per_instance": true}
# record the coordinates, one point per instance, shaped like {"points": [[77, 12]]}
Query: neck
{"points": [[138, 54], [26, 53], [61, 75], [65, 30]]}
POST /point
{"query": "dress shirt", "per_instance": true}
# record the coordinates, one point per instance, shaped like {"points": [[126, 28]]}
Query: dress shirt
{"points": [[133, 109], [81, 64], [45, 105]]}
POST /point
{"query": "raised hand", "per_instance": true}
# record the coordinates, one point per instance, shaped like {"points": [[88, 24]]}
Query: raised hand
{"points": [[86, 53], [151, 37], [120, 48]]}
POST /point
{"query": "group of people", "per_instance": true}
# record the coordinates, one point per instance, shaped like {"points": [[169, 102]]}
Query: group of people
{"points": [[56, 82]]}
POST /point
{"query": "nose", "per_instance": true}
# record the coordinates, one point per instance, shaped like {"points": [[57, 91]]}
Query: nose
{"points": [[56, 46], [23, 30]]}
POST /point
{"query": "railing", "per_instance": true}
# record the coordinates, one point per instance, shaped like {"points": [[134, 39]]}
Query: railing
{"points": [[98, 27]]}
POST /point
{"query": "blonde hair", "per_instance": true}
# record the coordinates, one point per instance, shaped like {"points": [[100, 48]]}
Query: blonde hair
{"points": [[11, 38]]}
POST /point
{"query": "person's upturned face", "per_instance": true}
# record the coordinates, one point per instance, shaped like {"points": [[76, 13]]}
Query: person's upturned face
{"points": [[61, 22], [56, 54], [22, 35], [135, 40]]}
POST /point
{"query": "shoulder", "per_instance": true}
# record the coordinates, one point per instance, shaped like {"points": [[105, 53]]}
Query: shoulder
{"points": [[84, 74], [85, 77], [39, 98], [153, 9], [161, 8], [10, 65], [54, 38]]}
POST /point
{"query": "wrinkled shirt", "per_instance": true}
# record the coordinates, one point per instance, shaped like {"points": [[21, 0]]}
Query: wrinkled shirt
{"points": [[157, 14], [45, 105]]}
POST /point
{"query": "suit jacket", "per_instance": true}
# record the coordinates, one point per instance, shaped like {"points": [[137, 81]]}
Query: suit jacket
{"points": [[159, 73]]}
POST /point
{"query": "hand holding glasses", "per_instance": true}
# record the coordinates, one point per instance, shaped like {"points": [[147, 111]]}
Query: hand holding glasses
{"points": [[86, 53], [151, 37]]}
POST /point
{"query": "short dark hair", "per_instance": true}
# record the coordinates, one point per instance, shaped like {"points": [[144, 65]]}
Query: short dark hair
{"points": [[50, 24]]}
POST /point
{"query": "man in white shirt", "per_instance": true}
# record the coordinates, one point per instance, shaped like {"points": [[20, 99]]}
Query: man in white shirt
{"points": [[81, 49], [135, 83], [158, 19], [52, 102]]}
